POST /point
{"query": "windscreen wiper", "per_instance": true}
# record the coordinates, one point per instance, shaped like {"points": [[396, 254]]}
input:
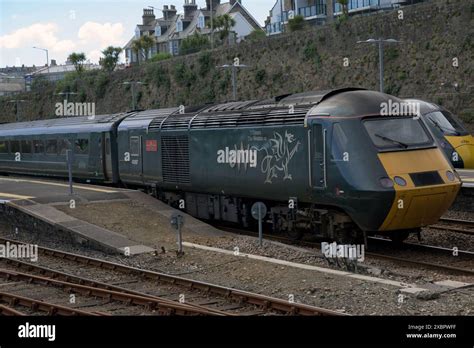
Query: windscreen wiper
{"points": [[391, 140]]}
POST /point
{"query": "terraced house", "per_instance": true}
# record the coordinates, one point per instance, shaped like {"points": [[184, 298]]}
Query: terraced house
{"points": [[169, 30], [317, 11]]}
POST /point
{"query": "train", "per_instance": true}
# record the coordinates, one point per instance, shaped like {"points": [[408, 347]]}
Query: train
{"points": [[328, 163], [453, 137]]}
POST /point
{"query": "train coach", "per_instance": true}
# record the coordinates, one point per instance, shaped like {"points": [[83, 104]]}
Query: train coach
{"points": [[325, 162], [454, 139]]}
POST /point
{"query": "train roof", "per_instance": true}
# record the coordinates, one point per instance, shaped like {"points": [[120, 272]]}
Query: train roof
{"points": [[77, 124], [425, 107]]}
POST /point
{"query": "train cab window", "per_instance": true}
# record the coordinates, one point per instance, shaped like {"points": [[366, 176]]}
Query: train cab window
{"points": [[135, 146], [445, 122], [81, 146], [397, 132], [38, 146], [14, 146], [339, 143], [63, 146], [52, 147], [3, 147], [25, 146]]}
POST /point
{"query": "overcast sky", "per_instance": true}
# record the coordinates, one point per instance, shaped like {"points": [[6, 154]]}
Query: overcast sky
{"points": [[86, 26]]}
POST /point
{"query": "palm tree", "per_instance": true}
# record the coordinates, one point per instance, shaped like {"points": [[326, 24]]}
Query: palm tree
{"points": [[345, 7], [147, 43], [137, 48], [224, 24], [77, 59]]}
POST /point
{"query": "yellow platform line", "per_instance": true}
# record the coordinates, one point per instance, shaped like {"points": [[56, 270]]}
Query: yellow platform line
{"points": [[60, 185], [11, 195]]}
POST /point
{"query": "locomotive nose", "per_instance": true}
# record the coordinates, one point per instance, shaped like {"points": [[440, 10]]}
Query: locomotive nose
{"points": [[464, 146]]}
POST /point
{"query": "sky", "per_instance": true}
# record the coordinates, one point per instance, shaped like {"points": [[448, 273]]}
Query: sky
{"points": [[85, 26]]}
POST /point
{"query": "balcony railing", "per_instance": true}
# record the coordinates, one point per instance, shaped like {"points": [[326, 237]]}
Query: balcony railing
{"points": [[355, 4], [315, 10]]}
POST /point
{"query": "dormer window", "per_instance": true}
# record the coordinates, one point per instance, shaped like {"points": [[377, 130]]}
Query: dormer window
{"points": [[137, 33], [179, 25], [201, 21], [158, 30]]}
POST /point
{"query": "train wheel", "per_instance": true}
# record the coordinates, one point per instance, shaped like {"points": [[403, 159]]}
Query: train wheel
{"points": [[398, 237]]}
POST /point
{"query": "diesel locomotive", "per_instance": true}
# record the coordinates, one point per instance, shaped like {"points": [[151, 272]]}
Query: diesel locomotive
{"points": [[454, 139], [326, 162]]}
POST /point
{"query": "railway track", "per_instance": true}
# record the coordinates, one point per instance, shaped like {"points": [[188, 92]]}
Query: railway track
{"points": [[156, 290], [455, 225], [404, 260]]}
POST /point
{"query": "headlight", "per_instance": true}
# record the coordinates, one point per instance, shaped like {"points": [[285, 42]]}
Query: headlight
{"points": [[450, 175], [400, 181], [386, 182]]}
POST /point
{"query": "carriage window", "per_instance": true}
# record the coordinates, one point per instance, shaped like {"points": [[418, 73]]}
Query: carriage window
{"points": [[26, 146], [14, 146], [63, 146], [81, 146], [135, 146], [38, 146], [3, 147], [446, 123], [52, 146]]}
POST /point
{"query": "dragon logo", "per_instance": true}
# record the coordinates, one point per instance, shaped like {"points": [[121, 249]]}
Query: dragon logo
{"points": [[278, 153]]}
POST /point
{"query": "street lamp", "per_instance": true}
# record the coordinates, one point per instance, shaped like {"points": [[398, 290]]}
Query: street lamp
{"points": [[380, 42], [234, 68], [47, 57], [132, 85]]}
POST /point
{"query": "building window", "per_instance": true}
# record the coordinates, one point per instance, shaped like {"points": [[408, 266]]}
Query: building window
{"points": [[201, 21], [179, 26], [158, 30], [137, 33]]}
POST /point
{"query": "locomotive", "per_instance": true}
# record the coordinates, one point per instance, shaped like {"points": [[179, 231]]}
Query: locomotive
{"points": [[326, 162], [454, 139]]}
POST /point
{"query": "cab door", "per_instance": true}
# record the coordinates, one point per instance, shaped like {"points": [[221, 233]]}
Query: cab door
{"points": [[318, 157]]}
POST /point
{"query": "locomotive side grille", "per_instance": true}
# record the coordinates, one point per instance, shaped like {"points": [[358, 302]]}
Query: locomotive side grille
{"points": [[175, 159], [426, 178]]}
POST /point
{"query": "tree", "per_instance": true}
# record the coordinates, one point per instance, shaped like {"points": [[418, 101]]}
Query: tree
{"points": [[296, 23], [256, 35], [194, 43], [111, 57], [224, 25], [345, 7], [147, 42], [77, 59], [137, 48]]}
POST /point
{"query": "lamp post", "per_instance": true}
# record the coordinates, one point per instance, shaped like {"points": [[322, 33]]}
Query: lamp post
{"points": [[132, 85], [234, 68], [380, 42], [47, 56]]}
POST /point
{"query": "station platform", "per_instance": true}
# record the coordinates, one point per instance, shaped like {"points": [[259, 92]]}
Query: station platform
{"points": [[82, 213], [467, 177]]}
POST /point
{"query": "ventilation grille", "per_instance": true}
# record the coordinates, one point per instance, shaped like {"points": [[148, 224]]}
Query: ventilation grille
{"points": [[175, 159], [426, 178]]}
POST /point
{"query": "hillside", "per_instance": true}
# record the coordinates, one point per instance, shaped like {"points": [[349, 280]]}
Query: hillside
{"points": [[432, 35]]}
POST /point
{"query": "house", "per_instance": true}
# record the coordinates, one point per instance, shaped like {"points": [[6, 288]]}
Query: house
{"points": [[315, 11], [169, 30], [11, 84]]}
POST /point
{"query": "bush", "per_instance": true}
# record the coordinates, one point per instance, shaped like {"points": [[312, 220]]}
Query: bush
{"points": [[160, 56], [296, 23], [206, 63], [194, 43], [256, 35], [101, 82], [260, 76]]}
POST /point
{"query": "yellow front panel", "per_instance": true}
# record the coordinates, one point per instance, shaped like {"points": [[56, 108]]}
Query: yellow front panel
{"points": [[464, 146], [417, 206]]}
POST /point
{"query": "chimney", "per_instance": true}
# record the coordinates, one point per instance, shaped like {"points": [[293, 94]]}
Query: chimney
{"points": [[148, 16], [189, 8], [215, 3], [53, 62]]}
